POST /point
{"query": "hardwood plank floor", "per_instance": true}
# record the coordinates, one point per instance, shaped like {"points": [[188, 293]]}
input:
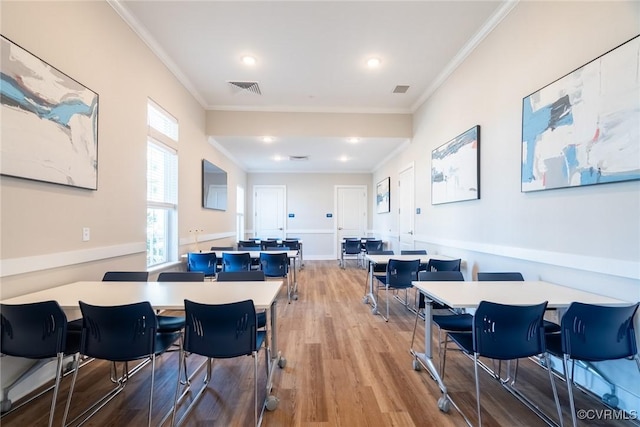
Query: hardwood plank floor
{"points": [[345, 367]]}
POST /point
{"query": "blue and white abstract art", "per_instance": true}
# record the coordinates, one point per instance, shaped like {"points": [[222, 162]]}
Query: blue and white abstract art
{"points": [[583, 129], [455, 169], [49, 122]]}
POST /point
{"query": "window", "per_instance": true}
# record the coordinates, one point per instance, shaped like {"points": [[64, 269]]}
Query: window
{"points": [[162, 187], [240, 214]]}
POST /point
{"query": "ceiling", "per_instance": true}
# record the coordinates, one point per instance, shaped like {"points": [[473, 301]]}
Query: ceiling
{"points": [[311, 57]]}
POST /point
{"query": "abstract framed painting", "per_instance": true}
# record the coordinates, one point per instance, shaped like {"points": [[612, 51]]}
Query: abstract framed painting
{"points": [[49, 122], [455, 169], [582, 129], [383, 196]]}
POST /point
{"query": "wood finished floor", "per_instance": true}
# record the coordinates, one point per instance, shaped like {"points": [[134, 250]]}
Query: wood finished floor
{"points": [[345, 367]]}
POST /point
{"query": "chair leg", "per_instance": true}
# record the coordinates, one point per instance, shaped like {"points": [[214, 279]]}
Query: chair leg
{"points": [[56, 387], [153, 377], [569, 379], [71, 387], [255, 388], [547, 363], [475, 368]]}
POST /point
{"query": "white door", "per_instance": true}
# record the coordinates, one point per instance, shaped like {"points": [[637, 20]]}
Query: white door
{"points": [[351, 213], [269, 204], [406, 203]]}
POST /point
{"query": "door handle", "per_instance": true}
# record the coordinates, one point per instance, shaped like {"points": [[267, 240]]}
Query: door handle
{"points": [[411, 232], [339, 228], [280, 228]]}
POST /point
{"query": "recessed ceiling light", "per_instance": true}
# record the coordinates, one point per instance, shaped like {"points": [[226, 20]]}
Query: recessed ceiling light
{"points": [[373, 62], [277, 158], [267, 139], [353, 139], [343, 159], [248, 60]]}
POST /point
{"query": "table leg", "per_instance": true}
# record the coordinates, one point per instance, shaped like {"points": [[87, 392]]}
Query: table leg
{"points": [[370, 298], [426, 359], [295, 280]]}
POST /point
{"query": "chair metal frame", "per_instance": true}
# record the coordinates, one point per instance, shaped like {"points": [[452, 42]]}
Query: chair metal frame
{"points": [[350, 246], [506, 332], [223, 331], [38, 331], [119, 334], [593, 333], [276, 264]]}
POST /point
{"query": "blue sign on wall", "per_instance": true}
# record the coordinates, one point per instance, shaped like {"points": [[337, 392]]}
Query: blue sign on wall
{"points": [[292, 215], [329, 215]]}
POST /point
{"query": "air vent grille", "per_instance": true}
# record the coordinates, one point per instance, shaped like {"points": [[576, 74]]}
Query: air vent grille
{"points": [[401, 89], [298, 158], [247, 86]]}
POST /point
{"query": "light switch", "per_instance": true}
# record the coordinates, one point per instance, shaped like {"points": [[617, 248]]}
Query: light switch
{"points": [[86, 234]]}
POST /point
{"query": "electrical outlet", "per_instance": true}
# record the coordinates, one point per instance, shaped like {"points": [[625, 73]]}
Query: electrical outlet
{"points": [[86, 234]]}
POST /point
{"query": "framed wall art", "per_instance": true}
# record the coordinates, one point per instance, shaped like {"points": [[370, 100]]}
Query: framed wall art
{"points": [[582, 129], [49, 122], [455, 169], [383, 200]]}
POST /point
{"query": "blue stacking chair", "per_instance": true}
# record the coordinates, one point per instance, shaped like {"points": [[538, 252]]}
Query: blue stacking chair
{"points": [[592, 333], [222, 331], [514, 276], [399, 275], [276, 264], [350, 247], [38, 331], [505, 332], [236, 261], [204, 262], [119, 334]]}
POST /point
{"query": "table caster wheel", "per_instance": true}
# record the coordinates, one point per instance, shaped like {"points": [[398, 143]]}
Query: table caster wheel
{"points": [[443, 404], [365, 300], [416, 365], [272, 403], [5, 405], [610, 399], [282, 362], [295, 297], [374, 310]]}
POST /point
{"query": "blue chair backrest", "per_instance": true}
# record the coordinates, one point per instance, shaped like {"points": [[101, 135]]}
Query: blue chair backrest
{"points": [[593, 332], [118, 333], [400, 273], [413, 252], [500, 277], [507, 332], [294, 245], [181, 276], [373, 245], [202, 262], [248, 244], [352, 246], [35, 331], [249, 248], [440, 276], [443, 265], [220, 330], [241, 276], [236, 261], [274, 264], [126, 276]]}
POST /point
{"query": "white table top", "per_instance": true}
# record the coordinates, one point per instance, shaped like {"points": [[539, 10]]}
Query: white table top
{"points": [[161, 295], [469, 294], [384, 259]]}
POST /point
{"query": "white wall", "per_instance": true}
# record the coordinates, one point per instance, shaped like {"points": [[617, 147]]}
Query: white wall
{"points": [[41, 224], [581, 237], [310, 196]]}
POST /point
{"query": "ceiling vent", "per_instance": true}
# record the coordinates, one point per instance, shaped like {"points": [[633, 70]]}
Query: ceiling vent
{"points": [[246, 87], [298, 158], [401, 89]]}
